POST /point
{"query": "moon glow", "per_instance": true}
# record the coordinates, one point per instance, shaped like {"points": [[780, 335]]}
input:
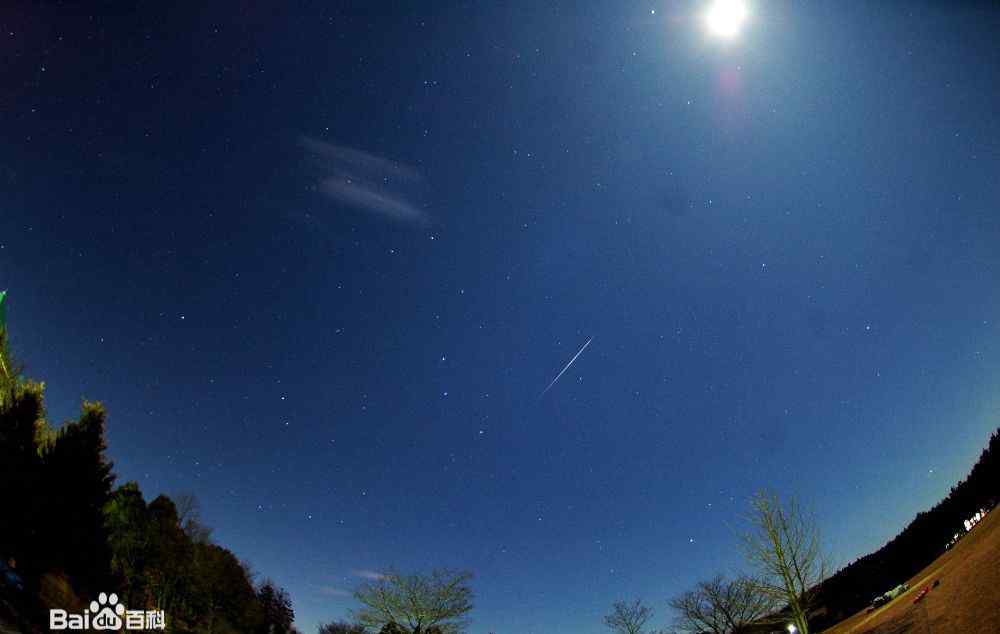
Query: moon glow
{"points": [[725, 18]]}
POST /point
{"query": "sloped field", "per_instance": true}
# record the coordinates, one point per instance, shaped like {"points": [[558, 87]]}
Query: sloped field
{"points": [[967, 599]]}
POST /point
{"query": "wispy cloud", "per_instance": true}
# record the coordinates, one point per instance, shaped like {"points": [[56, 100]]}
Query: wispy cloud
{"points": [[366, 181], [331, 591], [368, 574]]}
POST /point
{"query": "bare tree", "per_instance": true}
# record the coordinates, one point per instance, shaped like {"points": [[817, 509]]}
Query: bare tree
{"points": [[720, 606], [188, 507], [418, 602], [782, 544], [189, 518], [628, 618]]}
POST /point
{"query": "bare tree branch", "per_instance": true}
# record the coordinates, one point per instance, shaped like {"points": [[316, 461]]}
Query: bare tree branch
{"points": [[628, 618], [720, 606], [418, 602], [782, 544]]}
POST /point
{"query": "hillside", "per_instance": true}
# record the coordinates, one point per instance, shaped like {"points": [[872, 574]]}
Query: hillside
{"points": [[966, 599], [917, 546]]}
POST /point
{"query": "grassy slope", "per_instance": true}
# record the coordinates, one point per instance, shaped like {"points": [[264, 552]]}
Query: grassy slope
{"points": [[967, 600]]}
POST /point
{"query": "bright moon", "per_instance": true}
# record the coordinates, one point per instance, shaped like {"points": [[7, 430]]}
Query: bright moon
{"points": [[724, 18]]}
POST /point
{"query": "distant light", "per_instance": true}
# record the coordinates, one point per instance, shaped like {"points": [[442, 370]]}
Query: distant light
{"points": [[792, 629], [725, 18]]}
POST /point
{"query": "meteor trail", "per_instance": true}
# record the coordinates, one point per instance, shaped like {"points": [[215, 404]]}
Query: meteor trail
{"points": [[563, 371]]}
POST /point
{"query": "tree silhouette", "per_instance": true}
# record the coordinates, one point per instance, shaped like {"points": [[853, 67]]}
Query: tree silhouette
{"points": [[417, 602], [77, 485], [628, 618], [73, 535], [782, 544], [22, 421], [720, 606], [189, 517], [277, 608], [129, 537]]}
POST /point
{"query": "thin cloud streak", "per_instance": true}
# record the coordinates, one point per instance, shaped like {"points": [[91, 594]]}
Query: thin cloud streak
{"points": [[341, 155], [331, 591], [366, 181], [362, 195]]}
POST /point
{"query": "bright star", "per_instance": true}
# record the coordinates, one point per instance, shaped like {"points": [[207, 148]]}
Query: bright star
{"points": [[725, 18]]}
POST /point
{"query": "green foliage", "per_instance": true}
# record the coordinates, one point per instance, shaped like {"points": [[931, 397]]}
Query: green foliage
{"points": [[68, 524], [201, 586], [8, 373], [225, 596], [170, 555], [50, 481], [11, 371], [129, 536]]}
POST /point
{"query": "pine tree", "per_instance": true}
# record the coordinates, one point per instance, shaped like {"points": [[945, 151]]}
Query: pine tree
{"points": [[277, 607], [22, 428], [78, 481], [127, 524]]}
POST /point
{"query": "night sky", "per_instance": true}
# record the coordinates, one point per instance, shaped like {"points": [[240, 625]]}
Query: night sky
{"points": [[320, 263]]}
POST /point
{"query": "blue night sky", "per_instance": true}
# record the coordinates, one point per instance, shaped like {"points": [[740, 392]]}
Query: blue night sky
{"points": [[321, 262]]}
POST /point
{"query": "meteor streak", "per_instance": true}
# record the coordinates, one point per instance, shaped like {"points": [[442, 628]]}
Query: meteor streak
{"points": [[563, 371]]}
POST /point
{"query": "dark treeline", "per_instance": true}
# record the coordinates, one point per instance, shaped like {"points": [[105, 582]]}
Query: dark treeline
{"points": [[66, 534], [920, 543]]}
